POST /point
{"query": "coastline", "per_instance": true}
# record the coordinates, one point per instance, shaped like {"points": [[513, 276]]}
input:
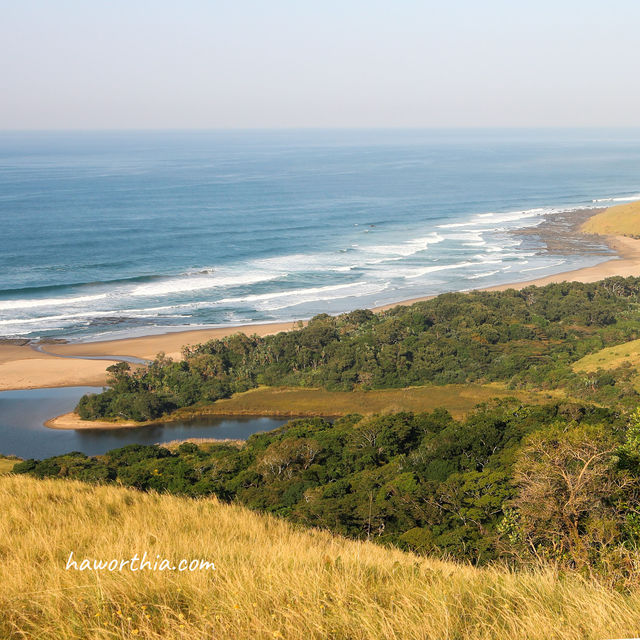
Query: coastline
{"points": [[625, 263], [68, 364]]}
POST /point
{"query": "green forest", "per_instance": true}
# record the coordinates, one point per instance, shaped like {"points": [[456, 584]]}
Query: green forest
{"points": [[526, 483], [527, 339], [559, 482]]}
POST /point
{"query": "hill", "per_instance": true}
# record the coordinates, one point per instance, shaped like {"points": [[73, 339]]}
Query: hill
{"points": [[621, 220], [422, 481], [7, 464], [272, 580]]}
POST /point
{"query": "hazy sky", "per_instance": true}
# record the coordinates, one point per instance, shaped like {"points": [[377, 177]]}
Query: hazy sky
{"points": [[295, 63]]}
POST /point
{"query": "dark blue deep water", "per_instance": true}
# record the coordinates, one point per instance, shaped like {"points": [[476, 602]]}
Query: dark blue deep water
{"points": [[105, 233]]}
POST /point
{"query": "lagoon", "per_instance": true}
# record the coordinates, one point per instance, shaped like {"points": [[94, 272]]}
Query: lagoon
{"points": [[23, 413]]}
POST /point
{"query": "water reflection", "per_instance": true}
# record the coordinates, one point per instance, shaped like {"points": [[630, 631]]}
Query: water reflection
{"points": [[22, 414]]}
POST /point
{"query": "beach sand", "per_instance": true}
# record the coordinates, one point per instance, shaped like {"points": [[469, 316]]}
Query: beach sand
{"points": [[626, 263], [22, 367], [74, 421], [147, 347]]}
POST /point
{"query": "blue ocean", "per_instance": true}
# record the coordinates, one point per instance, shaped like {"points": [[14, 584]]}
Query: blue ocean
{"points": [[107, 234]]}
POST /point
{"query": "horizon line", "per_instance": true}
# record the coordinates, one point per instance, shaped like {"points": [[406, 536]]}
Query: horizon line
{"points": [[323, 128]]}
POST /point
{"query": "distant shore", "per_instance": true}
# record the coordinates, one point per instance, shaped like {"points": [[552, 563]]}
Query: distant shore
{"points": [[625, 263], [22, 367]]}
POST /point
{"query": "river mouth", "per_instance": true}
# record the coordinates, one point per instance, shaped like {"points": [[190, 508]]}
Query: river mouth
{"points": [[23, 413]]}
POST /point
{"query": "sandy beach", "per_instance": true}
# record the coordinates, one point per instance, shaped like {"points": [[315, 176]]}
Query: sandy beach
{"points": [[625, 264], [22, 367]]}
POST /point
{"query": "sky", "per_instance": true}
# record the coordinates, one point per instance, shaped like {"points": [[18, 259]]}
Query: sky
{"points": [[210, 64]]}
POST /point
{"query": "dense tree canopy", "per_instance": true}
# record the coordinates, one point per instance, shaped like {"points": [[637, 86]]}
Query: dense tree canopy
{"points": [[560, 481], [525, 338]]}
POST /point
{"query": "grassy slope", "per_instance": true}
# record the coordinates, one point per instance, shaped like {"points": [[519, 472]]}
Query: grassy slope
{"points": [[610, 357], [621, 220], [272, 580], [295, 401], [7, 464]]}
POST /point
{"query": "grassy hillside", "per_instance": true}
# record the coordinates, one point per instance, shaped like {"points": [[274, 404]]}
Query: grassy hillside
{"points": [[424, 482], [621, 358], [611, 357], [6, 464], [621, 220], [271, 580]]}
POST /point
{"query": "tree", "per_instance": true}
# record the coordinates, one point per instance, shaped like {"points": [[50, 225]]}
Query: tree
{"points": [[571, 500]]}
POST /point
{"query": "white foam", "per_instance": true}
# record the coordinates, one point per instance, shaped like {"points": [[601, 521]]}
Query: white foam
{"points": [[454, 225], [183, 284], [408, 248], [292, 297], [146, 312], [64, 316], [358, 256], [339, 261], [259, 297], [417, 272], [491, 218], [348, 267], [290, 262], [620, 199], [486, 274], [546, 266], [490, 256], [6, 305], [470, 236], [364, 290]]}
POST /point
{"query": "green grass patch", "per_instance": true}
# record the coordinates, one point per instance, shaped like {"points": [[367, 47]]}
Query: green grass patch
{"points": [[458, 399], [610, 357]]}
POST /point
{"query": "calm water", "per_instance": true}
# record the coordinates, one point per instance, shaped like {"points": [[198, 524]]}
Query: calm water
{"points": [[140, 232], [22, 433]]}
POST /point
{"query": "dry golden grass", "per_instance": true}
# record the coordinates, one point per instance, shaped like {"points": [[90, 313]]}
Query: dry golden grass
{"points": [[203, 443], [459, 399], [621, 220], [610, 357], [272, 580], [7, 464]]}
